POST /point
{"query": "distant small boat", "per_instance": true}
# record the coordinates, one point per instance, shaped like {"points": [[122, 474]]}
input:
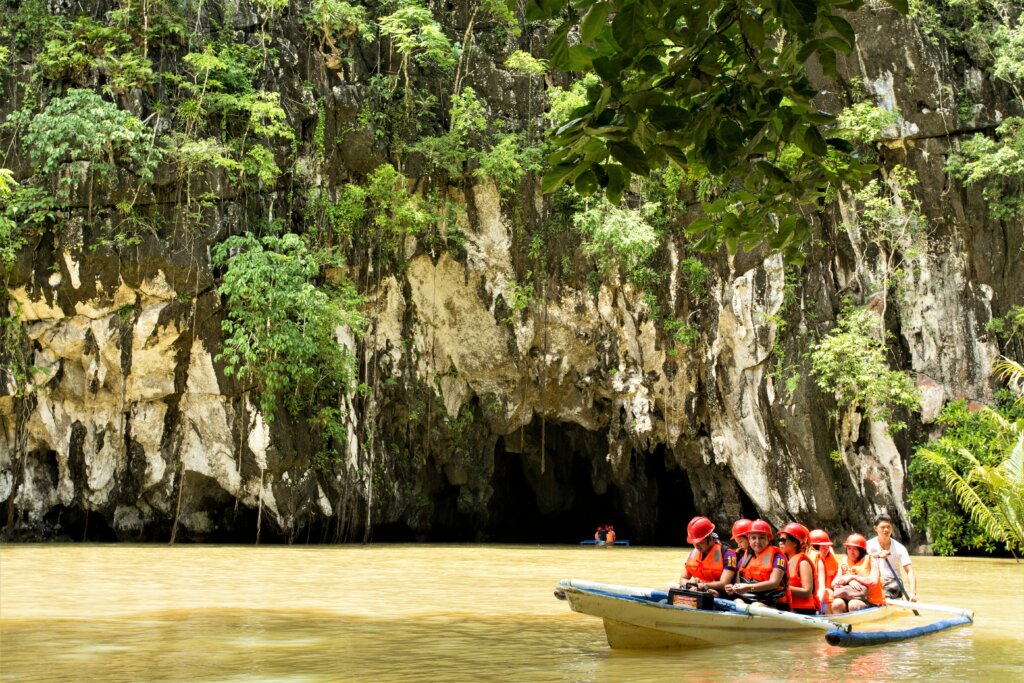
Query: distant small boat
{"points": [[604, 543], [642, 619]]}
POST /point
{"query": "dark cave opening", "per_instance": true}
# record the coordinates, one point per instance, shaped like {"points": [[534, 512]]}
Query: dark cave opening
{"points": [[517, 516], [77, 524], [675, 500]]}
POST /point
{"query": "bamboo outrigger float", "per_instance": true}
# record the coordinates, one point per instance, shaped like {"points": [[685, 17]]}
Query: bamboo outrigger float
{"points": [[642, 619]]}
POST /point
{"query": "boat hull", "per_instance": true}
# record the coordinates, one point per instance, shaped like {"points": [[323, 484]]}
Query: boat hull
{"points": [[634, 619]]}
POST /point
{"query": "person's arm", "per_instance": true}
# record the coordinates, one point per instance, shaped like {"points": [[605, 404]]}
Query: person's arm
{"points": [[873, 578], [717, 587], [684, 577], [842, 577], [806, 581], [911, 581], [773, 582]]}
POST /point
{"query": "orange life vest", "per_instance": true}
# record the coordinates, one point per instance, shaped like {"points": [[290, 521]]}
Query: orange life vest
{"points": [[611, 537], [793, 570], [707, 568], [759, 567], [828, 567], [863, 568]]}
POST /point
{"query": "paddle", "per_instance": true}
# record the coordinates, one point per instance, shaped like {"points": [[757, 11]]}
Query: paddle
{"points": [[769, 613], [931, 608], [900, 584]]}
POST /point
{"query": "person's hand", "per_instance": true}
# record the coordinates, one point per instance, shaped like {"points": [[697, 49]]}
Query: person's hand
{"points": [[913, 597], [730, 588], [713, 592]]}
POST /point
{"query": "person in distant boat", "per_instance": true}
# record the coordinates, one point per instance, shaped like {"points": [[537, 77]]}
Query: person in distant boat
{"points": [[802, 597], [610, 536], [763, 576], [710, 565], [601, 535], [892, 556], [858, 584], [739, 534], [826, 566]]}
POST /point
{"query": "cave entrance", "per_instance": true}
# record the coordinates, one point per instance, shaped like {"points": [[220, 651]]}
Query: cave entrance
{"points": [[675, 499], [561, 505]]}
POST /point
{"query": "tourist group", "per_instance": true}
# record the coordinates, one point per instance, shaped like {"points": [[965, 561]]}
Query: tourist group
{"points": [[801, 574]]}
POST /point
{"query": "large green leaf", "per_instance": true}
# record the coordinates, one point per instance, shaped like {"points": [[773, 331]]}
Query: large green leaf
{"points": [[555, 176], [630, 156], [630, 26], [558, 48], [752, 28], [618, 181], [594, 21]]}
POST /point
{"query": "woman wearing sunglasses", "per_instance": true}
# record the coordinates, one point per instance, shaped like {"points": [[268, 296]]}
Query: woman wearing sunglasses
{"points": [[802, 597]]}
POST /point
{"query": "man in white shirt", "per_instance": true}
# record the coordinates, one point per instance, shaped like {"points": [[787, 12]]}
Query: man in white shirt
{"points": [[891, 556]]}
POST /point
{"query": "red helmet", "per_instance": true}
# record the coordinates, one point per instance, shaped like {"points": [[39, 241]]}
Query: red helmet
{"points": [[820, 537], [740, 528], [797, 531], [698, 529], [759, 526], [856, 541]]}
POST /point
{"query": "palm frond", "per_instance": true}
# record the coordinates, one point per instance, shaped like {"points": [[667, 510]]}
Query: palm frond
{"points": [[969, 499], [1013, 373]]}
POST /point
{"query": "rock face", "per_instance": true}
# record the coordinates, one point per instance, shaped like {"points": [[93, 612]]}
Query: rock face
{"points": [[491, 425]]}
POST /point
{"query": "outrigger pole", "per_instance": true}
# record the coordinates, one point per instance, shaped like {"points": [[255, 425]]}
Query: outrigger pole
{"points": [[863, 638], [962, 618]]}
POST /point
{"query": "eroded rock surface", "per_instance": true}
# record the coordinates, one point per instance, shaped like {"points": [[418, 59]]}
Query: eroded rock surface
{"points": [[577, 407]]}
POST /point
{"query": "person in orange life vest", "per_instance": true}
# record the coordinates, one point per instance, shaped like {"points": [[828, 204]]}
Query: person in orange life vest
{"points": [[601, 534], [739, 534], [826, 567], [710, 565], [763, 576], [802, 597], [861, 568], [611, 534]]}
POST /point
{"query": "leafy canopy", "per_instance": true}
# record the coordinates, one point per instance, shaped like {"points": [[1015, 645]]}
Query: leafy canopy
{"points": [[281, 325], [985, 472], [715, 86], [970, 439], [851, 363]]}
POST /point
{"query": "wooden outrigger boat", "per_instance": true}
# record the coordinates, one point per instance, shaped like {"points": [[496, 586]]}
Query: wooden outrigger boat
{"points": [[641, 618]]}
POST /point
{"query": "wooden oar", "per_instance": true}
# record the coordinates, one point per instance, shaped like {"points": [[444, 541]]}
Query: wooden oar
{"points": [[758, 610], [945, 609], [900, 584]]}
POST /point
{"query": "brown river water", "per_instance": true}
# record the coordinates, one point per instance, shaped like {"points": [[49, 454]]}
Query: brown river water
{"points": [[426, 613]]}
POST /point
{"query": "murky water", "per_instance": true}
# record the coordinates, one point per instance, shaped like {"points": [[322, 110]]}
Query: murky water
{"points": [[425, 613]]}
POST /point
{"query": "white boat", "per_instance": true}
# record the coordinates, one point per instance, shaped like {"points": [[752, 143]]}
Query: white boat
{"points": [[641, 618]]}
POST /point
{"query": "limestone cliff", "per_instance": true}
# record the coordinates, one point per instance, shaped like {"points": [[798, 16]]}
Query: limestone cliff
{"points": [[576, 410]]}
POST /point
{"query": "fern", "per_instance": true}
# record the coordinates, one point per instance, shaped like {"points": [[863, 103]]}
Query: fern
{"points": [[993, 495]]}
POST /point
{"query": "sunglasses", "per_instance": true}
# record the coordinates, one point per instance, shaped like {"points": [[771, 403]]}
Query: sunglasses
{"points": [[786, 539]]}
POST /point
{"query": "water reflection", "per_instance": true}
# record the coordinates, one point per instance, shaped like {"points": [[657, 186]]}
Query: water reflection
{"points": [[417, 613]]}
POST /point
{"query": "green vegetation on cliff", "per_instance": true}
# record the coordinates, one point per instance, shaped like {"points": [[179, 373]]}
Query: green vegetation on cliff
{"points": [[306, 153], [969, 485]]}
